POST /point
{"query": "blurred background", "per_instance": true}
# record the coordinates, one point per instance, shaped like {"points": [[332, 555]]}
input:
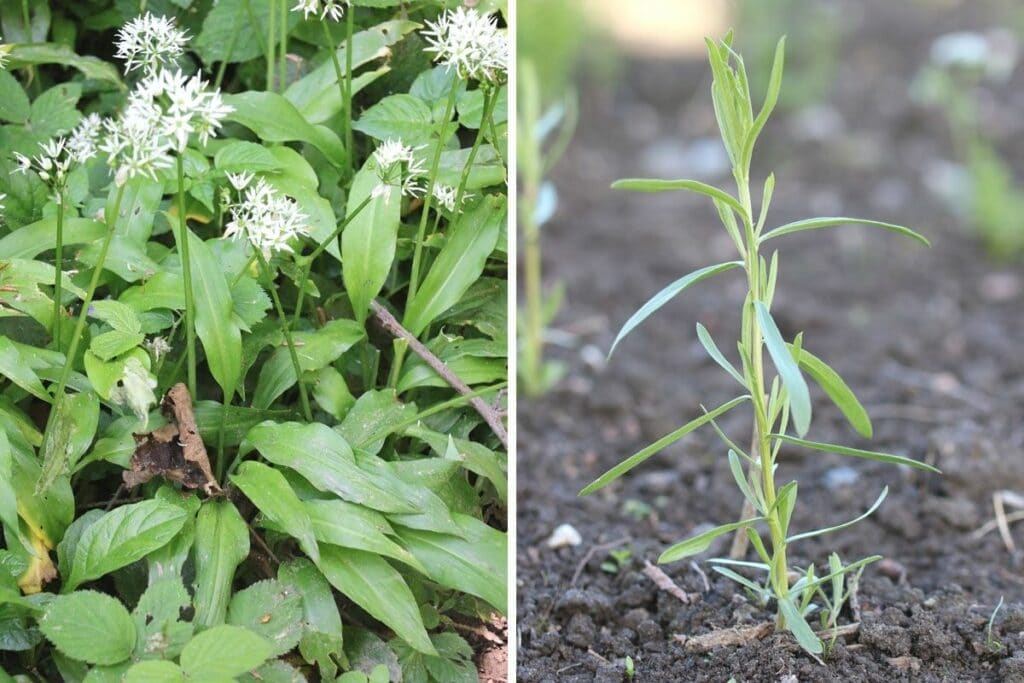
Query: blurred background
{"points": [[910, 112]]}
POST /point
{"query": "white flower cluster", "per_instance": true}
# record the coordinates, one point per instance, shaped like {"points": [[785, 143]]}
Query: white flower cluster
{"points": [[446, 196], [162, 112], [150, 42], [57, 156], [265, 217], [4, 49], [469, 42], [398, 167], [335, 9]]}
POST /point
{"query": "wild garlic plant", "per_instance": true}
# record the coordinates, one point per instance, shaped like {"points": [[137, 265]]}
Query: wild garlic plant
{"points": [[778, 401]]}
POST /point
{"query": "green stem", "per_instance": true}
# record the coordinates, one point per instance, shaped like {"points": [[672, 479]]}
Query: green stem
{"points": [[58, 280], [235, 31], [186, 270], [533, 351], [347, 95], [221, 460], [307, 413], [76, 336], [344, 83], [319, 250], [490, 100], [283, 75], [271, 46]]}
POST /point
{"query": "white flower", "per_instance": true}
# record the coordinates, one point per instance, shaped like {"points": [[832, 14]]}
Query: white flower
{"points": [[398, 167], [135, 142], [150, 42], [240, 181], [135, 388], [470, 42], [445, 196], [267, 219], [3, 196], [57, 156], [335, 9], [82, 141], [158, 346]]}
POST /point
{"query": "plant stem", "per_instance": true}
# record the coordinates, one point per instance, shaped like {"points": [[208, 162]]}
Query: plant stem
{"points": [[76, 336], [282, 80], [221, 460], [58, 278], [490, 100], [186, 270], [271, 51], [287, 334], [235, 31], [533, 348], [319, 250], [347, 95], [344, 83]]}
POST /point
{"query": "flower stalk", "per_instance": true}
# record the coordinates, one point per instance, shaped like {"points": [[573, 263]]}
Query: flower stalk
{"points": [[186, 271]]}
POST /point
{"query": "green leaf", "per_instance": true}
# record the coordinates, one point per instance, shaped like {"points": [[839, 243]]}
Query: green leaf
{"points": [[269, 491], [459, 265], [368, 242], [818, 532], [836, 389], [373, 584], [223, 652], [222, 542], [637, 458], [370, 420], [400, 116], [700, 543], [476, 564], [653, 185], [353, 526], [798, 626], [14, 368], [814, 223], [161, 633], [770, 99], [154, 671], [274, 119], [799, 396], [322, 639], [236, 31], [667, 294], [8, 495], [216, 329], [14, 105], [736, 467], [89, 626], [271, 609], [31, 240], [326, 460], [53, 53], [240, 156], [315, 350], [857, 453], [709, 345], [123, 536]]}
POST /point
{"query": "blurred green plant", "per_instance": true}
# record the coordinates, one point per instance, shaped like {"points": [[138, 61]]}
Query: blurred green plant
{"points": [[774, 404]]}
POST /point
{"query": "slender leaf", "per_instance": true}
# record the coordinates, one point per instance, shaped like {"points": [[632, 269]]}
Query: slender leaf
{"points": [[814, 223], [701, 542], [857, 453], [836, 389], [799, 396], [215, 327], [818, 532], [709, 345], [637, 458], [269, 491], [667, 294], [369, 241], [222, 542], [798, 626], [654, 185]]}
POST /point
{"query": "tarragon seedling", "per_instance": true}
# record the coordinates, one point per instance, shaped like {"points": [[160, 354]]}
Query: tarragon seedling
{"points": [[778, 401]]}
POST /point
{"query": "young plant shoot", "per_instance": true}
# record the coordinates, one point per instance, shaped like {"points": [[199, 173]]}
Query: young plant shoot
{"points": [[778, 401]]}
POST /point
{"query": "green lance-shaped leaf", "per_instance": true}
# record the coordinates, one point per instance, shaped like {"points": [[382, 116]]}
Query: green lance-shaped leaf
{"points": [[700, 543], [322, 641], [655, 185], [269, 491], [857, 453], [836, 389], [638, 457], [224, 652], [799, 396], [222, 542], [770, 99], [215, 327], [121, 537], [89, 626], [798, 626], [348, 525], [709, 345], [31, 240], [459, 265], [819, 532], [667, 294], [369, 240], [275, 119], [814, 223], [373, 584]]}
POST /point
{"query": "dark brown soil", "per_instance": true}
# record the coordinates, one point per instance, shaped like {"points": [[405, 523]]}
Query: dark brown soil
{"points": [[931, 340]]}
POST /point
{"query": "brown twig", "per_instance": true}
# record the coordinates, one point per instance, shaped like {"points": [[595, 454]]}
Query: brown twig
{"points": [[391, 324], [590, 554], [664, 582]]}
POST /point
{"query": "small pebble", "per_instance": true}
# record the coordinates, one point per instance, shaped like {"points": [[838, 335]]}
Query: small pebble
{"points": [[593, 356], [564, 535], [839, 477]]}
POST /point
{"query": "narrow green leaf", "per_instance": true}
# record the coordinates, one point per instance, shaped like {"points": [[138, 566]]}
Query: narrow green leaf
{"points": [[637, 458], [799, 396], [818, 532], [223, 652], [709, 345], [123, 536], [369, 240], [770, 99], [275, 119], [836, 389], [798, 626], [215, 327], [31, 240], [348, 525], [700, 543], [738, 473], [857, 453], [814, 223], [654, 185], [667, 294], [89, 626], [373, 584], [269, 491], [785, 503], [222, 542], [459, 265]]}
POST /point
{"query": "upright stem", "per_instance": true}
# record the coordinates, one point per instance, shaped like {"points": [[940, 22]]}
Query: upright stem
{"points": [[282, 79], [271, 30], [490, 100], [58, 281], [76, 336], [347, 96], [533, 349], [186, 269], [268, 276]]}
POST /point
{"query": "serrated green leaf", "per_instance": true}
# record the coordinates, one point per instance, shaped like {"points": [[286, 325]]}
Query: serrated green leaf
{"points": [[224, 652], [271, 609], [89, 626]]}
